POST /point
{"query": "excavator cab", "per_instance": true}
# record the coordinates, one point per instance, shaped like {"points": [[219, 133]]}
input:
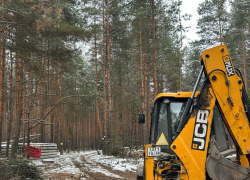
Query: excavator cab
{"points": [[166, 115]]}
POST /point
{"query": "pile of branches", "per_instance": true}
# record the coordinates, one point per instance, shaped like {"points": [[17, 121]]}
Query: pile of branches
{"points": [[18, 170]]}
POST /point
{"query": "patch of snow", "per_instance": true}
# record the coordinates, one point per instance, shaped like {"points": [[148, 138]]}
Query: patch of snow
{"points": [[77, 162], [38, 162], [65, 165], [62, 164], [234, 155], [120, 164]]}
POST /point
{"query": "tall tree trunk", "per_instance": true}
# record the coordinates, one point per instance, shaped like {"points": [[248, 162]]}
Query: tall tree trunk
{"points": [[28, 136], [30, 109], [2, 90], [2, 94], [19, 103], [244, 56], [62, 137], [108, 57], [104, 87], [98, 123], [56, 112], [220, 27], [246, 80], [10, 113], [147, 96], [59, 139], [136, 114], [141, 83], [49, 98], [141, 69], [142, 75], [179, 66], [179, 54], [154, 51], [41, 101]]}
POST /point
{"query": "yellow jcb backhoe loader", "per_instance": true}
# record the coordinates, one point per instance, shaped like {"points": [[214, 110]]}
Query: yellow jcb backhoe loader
{"points": [[188, 136]]}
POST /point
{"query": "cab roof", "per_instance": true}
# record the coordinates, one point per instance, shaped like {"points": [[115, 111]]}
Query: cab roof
{"points": [[175, 95]]}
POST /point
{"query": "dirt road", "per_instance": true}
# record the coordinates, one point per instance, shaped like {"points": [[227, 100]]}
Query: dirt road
{"points": [[86, 167]]}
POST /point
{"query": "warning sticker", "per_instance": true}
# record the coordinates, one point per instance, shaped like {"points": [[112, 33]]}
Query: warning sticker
{"points": [[162, 140]]}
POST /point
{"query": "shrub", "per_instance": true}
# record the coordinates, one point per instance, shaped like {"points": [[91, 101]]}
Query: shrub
{"points": [[18, 169]]}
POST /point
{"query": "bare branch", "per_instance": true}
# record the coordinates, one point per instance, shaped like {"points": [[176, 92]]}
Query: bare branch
{"points": [[58, 102]]}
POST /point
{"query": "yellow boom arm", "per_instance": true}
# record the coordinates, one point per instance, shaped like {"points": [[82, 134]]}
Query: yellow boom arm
{"points": [[222, 87]]}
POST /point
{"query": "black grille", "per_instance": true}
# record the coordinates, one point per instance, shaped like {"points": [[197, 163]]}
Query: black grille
{"points": [[169, 175]]}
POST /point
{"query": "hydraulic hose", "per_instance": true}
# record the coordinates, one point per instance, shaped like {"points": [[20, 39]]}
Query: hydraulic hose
{"points": [[189, 105]]}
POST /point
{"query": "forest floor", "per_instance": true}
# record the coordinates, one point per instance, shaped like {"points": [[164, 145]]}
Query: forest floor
{"points": [[88, 166]]}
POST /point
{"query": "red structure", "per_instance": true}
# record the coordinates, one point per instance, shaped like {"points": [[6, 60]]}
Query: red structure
{"points": [[35, 152]]}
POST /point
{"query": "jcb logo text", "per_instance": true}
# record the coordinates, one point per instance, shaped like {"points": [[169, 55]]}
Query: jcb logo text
{"points": [[200, 130]]}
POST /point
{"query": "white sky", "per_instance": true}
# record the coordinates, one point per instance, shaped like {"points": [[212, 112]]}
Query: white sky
{"points": [[190, 7]]}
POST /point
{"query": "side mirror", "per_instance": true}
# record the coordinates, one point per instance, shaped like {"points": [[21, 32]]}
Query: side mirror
{"points": [[141, 118]]}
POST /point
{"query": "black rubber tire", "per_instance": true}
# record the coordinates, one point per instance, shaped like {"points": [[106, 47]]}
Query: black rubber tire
{"points": [[139, 178]]}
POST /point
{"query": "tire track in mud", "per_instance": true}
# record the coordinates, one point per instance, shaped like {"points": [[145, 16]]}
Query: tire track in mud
{"points": [[92, 170]]}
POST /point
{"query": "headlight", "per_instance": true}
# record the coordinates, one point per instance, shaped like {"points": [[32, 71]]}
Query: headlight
{"points": [[161, 165]]}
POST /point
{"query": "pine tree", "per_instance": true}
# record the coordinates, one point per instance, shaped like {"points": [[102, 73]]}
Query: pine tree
{"points": [[237, 36], [213, 22]]}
